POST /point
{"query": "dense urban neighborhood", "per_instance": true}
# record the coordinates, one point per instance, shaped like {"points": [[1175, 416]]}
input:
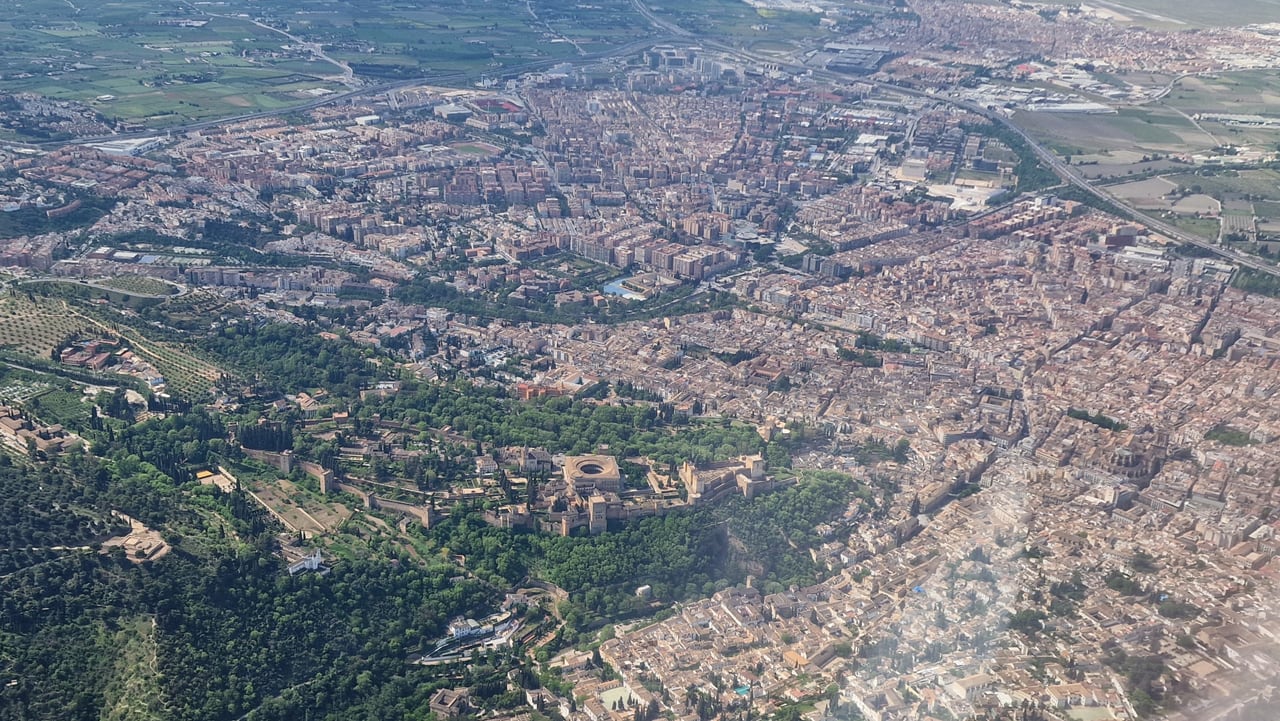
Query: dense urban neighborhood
{"points": [[825, 361]]}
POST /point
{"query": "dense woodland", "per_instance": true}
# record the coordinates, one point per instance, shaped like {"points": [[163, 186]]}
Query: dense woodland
{"points": [[289, 358], [226, 628], [570, 425], [499, 305], [36, 221], [38, 511], [218, 630], [230, 632], [1252, 281]]}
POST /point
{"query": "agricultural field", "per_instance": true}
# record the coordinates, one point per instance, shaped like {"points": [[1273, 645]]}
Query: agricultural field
{"points": [[1144, 130], [741, 22], [1203, 227], [154, 63], [36, 326], [62, 406], [1235, 222], [1267, 210], [1198, 204], [184, 373], [1147, 194], [1121, 165], [393, 40], [1128, 141], [164, 64], [196, 311], [1227, 202], [1227, 185], [1231, 92], [1186, 14]]}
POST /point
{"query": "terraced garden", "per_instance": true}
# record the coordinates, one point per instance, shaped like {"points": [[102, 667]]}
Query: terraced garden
{"points": [[36, 326], [184, 373], [60, 406], [141, 284]]}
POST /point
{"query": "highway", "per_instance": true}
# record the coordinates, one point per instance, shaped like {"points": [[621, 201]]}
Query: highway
{"points": [[316, 49], [669, 32], [1064, 171], [659, 23], [443, 79], [1070, 175]]}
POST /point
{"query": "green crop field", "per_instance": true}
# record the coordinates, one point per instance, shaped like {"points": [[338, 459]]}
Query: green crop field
{"points": [[60, 406], [1251, 92], [1147, 129], [737, 20], [1167, 126], [35, 327], [1232, 92], [154, 71], [1259, 184], [1268, 209], [1203, 227], [162, 63]]}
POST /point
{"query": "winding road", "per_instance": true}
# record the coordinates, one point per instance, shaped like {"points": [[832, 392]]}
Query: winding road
{"points": [[368, 90], [528, 6], [1064, 171], [1070, 175], [348, 76], [668, 32]]}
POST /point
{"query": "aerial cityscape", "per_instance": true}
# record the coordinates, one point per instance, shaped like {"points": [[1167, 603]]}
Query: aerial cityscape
{"points": [[840, 360]]}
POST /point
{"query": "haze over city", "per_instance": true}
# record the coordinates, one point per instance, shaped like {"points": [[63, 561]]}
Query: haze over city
{"points": [[626, 360]]}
